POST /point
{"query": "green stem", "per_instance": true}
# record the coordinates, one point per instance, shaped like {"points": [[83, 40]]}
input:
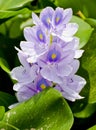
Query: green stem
{"points": [[6, 124], [81, 15]]}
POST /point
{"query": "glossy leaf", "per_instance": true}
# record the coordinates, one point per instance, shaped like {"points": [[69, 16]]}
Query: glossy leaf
{"points": [[11, 4], [2, 111], [92, 128], [5, 126], [26, 23], [6, 99], [15, 25], [2, 29], [86, 112], [91, 21], [88, 63], [4, 15], [87, 70], [85, 6], [4, 65], [46, 110], [84, 31]]}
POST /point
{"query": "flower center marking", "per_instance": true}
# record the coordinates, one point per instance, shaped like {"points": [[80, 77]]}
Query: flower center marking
{"points": [[57, 19], [41, 36], [48, 20], [53, 56], [43, 86]]}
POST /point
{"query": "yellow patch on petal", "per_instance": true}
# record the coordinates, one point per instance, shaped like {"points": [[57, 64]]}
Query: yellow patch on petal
{"points": [[42, 86], [48, 20], [41, 36], [53, 56], [57, 19]]}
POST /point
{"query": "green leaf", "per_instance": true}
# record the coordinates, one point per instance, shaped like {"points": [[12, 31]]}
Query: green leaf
{"points": [[2, 111], [85, 6], [26, 23], [88, 63], [46, 110], [4, 65], [6, 99], [92, 128], [84, 31], [4, 15], [86, 112], [86, 106], [45, 3], [15, 25], [91, 21], [5, 126], [11, 4], [3, 29]]}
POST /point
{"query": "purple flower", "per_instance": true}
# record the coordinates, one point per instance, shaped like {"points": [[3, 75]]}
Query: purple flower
{"points": [[36, 34], [57, 22], [37, 42], [56, 63], [71, 45], [53, 18], [46, 17], [49, 56], [68, 32], [29, 80], [24, 74], [72, 85], [28, 90], [53, 24]]}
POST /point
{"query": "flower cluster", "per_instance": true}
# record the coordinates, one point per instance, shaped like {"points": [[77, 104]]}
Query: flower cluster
{"points": [[49, 56]]}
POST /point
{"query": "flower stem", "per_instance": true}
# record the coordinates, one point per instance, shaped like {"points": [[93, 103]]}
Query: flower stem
{"points": [[81, 15]]}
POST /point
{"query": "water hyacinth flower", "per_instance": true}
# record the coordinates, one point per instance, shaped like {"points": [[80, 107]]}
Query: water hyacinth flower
{"points": [[72, 84], [29, 80], [57, 22], [37, 42], [71, 45], [56, 63], [49, 56], [51, 18], [28, 90], [25, 73]]}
